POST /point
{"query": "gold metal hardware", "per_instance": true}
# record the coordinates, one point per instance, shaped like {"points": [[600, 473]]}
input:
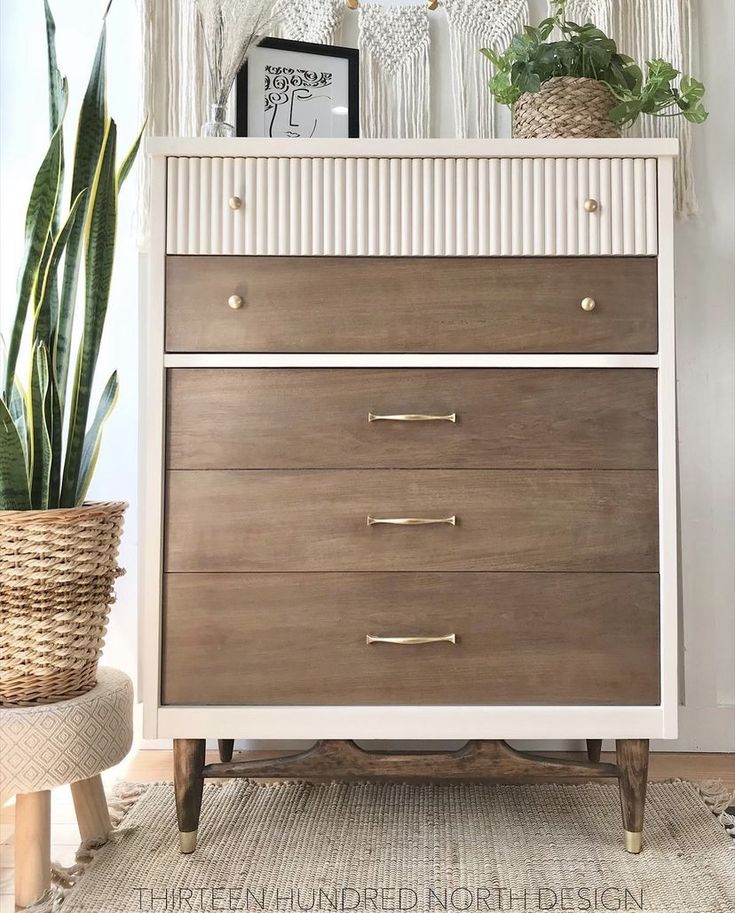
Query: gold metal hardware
{"points": [[412, 417], [633, 842], [411, 521], [410, 641], [187, 841], [591, 205], [234, 202], [235, 302], [588, 304]]}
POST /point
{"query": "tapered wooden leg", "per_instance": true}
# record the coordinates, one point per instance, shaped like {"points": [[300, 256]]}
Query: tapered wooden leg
{"points": [[32, 847], [226, 747], [594, 747], [188, 785], [90, 805], [632, 757]]}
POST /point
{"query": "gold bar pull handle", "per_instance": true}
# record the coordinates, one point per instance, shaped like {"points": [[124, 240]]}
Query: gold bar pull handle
{"points": [[411, 521], [412, 417], [410, 641]]}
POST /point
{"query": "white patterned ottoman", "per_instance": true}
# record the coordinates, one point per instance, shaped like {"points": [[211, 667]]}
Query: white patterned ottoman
{"points": [[48, 745]]}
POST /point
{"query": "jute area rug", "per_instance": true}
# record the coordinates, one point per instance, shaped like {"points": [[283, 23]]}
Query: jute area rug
{"points": [[367, 847]]}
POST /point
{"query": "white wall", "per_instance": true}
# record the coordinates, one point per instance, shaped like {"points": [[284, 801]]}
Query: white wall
{"points": [[23, 142], [705, 325]]}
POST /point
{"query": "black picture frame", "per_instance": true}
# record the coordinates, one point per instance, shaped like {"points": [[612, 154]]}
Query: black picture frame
{"points": [[352, 55]]}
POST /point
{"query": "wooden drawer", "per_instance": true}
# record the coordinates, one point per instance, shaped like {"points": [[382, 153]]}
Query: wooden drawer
{"points": [[319, 418], [427, 206], [520, 639], [316, 520], [405, 304]]}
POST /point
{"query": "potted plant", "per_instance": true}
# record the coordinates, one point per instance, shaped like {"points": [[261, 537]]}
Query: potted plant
{"points": [[582, 85], [58, 554]]}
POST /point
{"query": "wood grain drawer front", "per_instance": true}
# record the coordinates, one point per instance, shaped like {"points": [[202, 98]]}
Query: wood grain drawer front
{"points": [[418, 207], [406, 304], [317, 520], [320, 418], [520, 639]]}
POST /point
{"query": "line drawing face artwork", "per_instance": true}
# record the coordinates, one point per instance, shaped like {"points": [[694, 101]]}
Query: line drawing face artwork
{"points": [[296, 101]]}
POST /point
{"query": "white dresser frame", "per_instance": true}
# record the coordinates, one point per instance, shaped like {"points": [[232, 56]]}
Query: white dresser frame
{"points": [[403, 722]]}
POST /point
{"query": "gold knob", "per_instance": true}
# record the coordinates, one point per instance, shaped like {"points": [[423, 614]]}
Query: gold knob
{"points": [[588, 304], [591, 205], [235, 202], [235, 302]]}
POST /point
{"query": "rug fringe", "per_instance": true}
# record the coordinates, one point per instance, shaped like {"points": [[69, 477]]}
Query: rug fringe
{"points": [[123, 797], [718, 798]]}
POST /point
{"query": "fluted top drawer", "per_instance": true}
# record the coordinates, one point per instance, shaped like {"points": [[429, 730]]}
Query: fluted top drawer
{"points": [[411, 304], [501, 206]]}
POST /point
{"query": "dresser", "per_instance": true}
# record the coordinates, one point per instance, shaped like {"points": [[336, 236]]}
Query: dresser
{"points": [[409, 457]]}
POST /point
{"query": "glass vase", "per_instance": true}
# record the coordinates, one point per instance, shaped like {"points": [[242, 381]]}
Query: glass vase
{"points": [[217, 124]]}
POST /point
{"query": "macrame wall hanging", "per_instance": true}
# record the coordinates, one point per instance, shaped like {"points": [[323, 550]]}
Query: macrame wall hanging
{"points": [[646, 29], [394, 71], [318, 21], [475, 24]]}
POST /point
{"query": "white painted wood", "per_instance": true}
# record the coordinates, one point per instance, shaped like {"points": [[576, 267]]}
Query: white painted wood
{"points": [[392, 148], [406, 360], [410, 722], [535, 206], [411, 198], [151, 405], [667, 483]]}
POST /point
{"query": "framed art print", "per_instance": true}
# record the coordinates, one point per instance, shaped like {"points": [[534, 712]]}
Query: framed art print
{"points": [[294, 88]]}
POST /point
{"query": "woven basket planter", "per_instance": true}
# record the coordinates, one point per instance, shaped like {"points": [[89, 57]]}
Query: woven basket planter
{"points": [[57, 577], [566, 106]]}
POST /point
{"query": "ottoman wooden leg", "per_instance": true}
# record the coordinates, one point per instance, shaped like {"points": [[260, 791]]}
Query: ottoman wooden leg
{"points": [[632, 757], [32, 846], [188, 785], [90, 805]]}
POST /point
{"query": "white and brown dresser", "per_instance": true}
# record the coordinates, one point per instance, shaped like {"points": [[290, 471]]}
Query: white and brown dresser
{"points": [[409, 456]]}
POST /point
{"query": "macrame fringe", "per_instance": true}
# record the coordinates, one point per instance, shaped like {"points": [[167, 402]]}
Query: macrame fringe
{"points": [[318, 21], [63, 879], [394, 77], [174, 80], [475, 24], [646, 29]]}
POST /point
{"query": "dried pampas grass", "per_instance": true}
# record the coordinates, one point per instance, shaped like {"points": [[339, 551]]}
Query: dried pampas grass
{"points": [[230, 29]]}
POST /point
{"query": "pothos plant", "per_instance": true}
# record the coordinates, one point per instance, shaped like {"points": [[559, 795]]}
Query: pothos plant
{"points": [[48, 446], [585, 51]]}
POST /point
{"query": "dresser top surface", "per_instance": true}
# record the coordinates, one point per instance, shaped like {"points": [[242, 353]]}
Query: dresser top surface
{"points": [[414, 148]]}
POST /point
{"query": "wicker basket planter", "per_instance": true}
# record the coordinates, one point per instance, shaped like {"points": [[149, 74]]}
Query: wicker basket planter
{"points": [[57, 576], [566, 106]]}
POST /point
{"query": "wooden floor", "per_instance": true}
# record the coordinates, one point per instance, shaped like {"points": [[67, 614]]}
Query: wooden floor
{"points": [[152, 766]]}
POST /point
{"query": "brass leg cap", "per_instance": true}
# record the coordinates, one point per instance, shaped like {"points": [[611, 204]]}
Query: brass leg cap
{"points": [[187, 841], [633, 842]]}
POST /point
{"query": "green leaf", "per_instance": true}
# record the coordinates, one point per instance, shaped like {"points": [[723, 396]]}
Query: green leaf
{"points": [[14, 494], [39, 219], [55, 80], [40, 438], [93, 437], [43, 317], [56, 422], [90, 137], [127, 162], [99, 257], [17, 410]]}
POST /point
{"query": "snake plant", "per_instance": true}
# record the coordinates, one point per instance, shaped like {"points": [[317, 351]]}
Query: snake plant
{"points": [[48, 445]]}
